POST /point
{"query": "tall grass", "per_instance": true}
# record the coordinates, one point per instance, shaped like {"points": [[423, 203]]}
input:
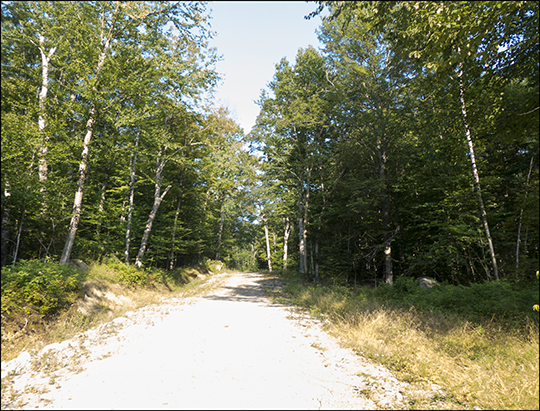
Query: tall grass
{"points": [[41, 301], [479, 362]]}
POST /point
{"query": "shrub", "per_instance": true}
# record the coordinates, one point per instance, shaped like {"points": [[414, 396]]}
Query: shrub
{"points": [[43, 287], [497, 300], [126, 274]]}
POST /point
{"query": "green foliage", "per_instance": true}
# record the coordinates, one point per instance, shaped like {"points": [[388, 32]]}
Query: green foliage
{"points": [[429, 345], [128, 274], [363, 140], [242, 259], [496, 300], [31, 285]]}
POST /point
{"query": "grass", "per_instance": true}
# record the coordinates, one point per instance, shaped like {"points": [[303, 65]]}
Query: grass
{"points": [[482, 363], [44, 303]]}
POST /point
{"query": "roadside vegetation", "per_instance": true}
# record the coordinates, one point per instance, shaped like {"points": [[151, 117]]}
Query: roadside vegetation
{"points": [[43, 303], [479, 343]]}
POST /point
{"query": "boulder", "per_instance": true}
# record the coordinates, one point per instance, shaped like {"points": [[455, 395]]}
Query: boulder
{"points": [[427, 282], [80, 264]]}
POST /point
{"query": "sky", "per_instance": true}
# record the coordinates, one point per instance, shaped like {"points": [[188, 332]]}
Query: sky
{"points": [[252, 37]]}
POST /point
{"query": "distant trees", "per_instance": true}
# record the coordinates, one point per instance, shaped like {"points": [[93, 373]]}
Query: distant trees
{"points": [[410, 162], [407, 146], [104, 100]]}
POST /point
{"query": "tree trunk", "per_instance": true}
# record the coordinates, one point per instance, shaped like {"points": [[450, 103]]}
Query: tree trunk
{"points": [[5, 222], [45, 59], [286, 233], [385, 208], [131, 198], [148, 228], [101, 207], [306, 214], [18, 238], [220, 231], [301, 235], [172, 262], [268, 253], [316, 262], [303, 210], [77, 202], [253, 252], [157, 201], [518, 241], [475, 172], [201, 224]]}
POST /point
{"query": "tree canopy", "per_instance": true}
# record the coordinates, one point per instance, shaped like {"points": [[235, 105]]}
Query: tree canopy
{"points": [[406, 146]]}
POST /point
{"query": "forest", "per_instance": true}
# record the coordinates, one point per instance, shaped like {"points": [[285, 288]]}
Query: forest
{"points": [[406, 147]]}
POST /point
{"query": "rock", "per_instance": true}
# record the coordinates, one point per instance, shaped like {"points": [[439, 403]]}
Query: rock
{"points": [[79, 264], [427, 282], [215, 265]]}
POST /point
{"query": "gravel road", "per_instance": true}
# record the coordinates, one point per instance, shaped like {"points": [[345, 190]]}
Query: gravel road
{"points": [[229, 349]]}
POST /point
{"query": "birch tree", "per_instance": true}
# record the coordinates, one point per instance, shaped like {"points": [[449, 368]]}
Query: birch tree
{"points": [[268, 252], [108, 22], [118, 23], [468, 50], [291, 127], [133, 162]]}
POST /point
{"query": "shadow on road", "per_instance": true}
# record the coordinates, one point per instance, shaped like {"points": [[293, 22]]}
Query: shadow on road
{"points": [[252, 290]]}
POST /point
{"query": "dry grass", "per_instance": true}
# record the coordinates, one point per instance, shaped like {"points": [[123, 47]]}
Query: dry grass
{"points": [[102, 299], [476, 365]]}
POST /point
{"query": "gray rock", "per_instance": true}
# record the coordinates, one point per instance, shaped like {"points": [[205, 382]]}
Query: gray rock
{"points": [[427, 282], [79, 264]]}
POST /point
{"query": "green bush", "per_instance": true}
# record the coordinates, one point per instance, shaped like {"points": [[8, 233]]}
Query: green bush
{"points": [[498, 300], [42, 287], [126, 274]]}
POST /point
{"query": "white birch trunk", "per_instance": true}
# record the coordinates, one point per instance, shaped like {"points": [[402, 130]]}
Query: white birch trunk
{"points": [[385, 208], [301, 234], [172, 261], [131, 198], [518, 241], [316, 263], [77, 202], [158, 197], [475, 172], [5, 222], [45, 59], [101, 207], [220, 232], [148, 228], [18, 237], [268, 253], [306, 214], [286, 233]]}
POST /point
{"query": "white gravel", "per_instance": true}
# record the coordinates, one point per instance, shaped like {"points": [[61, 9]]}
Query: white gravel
{"points": [[231, 349]]}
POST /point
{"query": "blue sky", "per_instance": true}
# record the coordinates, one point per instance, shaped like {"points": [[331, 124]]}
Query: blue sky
{"points": [[252, 37]]}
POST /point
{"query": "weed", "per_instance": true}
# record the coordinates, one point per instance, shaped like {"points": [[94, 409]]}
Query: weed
{"points": [[487, 357], [41, 302]]}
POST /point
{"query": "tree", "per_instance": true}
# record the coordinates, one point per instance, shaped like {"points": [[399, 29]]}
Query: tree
{"points": [[115, 23], [292, 130], [470, 51]]}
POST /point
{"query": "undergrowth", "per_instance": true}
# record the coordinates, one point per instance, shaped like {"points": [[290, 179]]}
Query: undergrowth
{"points": [[479, 343], [41, 301]]}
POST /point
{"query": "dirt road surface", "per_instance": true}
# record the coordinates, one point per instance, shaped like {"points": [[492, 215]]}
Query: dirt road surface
{"points": [[229, 349]]}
